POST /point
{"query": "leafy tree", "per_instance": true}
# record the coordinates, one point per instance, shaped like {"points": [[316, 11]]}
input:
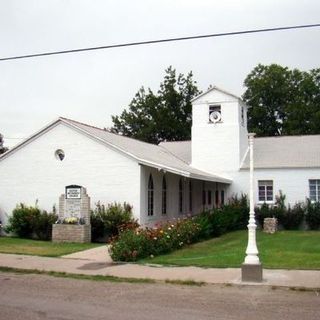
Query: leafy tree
{"points": [[165, 115], [283, 101], [2, 148]]}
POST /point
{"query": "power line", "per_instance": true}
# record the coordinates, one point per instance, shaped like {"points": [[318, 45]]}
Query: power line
{"points": [[6, 138], [233, 33]]}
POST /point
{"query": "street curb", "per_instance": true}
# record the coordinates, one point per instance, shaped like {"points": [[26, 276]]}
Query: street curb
{"points": [[189, 282]]}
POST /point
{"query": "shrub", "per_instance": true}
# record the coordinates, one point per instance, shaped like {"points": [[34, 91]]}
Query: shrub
{"points": [[42, 226], [106, 220], [263, 212], [292, 217], [132, 245], [22, 220], [278, 210], [233, 216], [313, 215], [31, 222]]}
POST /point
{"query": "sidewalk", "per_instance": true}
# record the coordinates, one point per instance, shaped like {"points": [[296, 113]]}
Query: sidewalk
{"points": [[97, 262]]}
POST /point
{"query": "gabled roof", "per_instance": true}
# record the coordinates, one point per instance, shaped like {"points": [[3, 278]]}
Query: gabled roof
{"points": [[286, 152], [269, 152], [145, 153], [212, 88], [181, 149]]}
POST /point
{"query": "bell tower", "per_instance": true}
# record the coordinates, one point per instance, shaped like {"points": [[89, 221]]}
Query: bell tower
{"points": [[219, 136]]}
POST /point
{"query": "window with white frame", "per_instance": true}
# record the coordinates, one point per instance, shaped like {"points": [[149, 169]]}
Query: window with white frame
{"points": [[265, 188], [314, 189], [150, 196]]}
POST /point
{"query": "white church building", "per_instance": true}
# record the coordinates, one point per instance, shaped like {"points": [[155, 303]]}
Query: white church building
{"points": [[162, 181]]}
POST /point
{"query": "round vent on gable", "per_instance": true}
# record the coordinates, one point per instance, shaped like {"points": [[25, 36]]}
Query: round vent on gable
{"points": [[59, 154], [215, 116]]}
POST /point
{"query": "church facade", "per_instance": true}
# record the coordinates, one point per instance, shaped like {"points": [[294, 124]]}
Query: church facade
{"points": [[164, 181]]}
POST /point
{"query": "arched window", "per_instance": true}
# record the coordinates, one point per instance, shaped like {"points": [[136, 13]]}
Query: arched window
{"points": [[209, 197], [150, 196], [180, 196], [190, 196], [164, 195], [217, 199], [222, 197]]}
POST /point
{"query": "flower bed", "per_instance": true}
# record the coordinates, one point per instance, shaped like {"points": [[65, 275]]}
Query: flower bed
{"points": [[134, 244], [137, 243]]}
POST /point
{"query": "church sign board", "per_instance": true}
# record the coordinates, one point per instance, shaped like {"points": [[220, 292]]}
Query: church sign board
{"points": [[74, 216], [73, 192]]}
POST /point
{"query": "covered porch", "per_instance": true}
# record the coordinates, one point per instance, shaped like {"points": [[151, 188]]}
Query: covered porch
{"points": [[167, 195]]}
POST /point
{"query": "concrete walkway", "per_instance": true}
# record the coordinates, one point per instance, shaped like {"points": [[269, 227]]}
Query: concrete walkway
{"points": [[97, 262]]}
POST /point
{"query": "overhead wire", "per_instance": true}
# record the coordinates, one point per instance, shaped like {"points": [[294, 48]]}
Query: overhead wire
{"points": [[149, 42]]}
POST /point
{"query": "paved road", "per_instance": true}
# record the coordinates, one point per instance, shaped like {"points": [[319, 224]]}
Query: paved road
{"points": [[43, 297]]}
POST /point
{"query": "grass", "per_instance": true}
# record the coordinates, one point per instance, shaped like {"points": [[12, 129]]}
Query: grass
{"points": [[99, 277], [76, 275], [41, 248], [282, 250]]}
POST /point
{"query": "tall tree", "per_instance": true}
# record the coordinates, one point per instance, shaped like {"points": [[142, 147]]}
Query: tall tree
{"points": [[2, 148], [283, 101], [165, 115]]}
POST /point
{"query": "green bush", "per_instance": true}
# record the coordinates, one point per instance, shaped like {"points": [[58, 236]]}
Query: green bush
{"points": [[313, 215], [233, 216], [292, 218], [268, 211], [42, 226], [132, 245], [289, 218], [31, 222], [107, 220], [139, 243]]}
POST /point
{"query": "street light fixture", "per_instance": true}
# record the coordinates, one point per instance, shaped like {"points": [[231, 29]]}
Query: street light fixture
{"points": [[251, 269]]}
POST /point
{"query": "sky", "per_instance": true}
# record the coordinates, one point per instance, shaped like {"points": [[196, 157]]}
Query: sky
{"points": [[92, 86]]}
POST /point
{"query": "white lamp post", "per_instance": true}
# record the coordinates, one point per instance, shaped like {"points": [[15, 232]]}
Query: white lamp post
{"points": [[251, 268]]}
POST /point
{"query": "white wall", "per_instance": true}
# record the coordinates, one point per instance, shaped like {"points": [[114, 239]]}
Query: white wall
{"points": [[33, 173], [218, 147], [294, 183]]}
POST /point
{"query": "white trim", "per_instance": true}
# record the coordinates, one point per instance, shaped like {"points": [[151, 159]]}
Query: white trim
{"points": [[31, 138], [217, 89]]}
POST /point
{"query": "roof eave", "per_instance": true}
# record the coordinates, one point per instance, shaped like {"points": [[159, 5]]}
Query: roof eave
{"points": [[30, 138], [218, 89]]}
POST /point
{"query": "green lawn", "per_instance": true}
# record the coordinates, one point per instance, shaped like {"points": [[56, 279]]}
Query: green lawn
{"points": [[284, 249], [41, 248]]}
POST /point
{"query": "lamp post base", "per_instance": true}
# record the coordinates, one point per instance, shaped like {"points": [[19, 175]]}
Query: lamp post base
{"points": [[251, 272]]}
